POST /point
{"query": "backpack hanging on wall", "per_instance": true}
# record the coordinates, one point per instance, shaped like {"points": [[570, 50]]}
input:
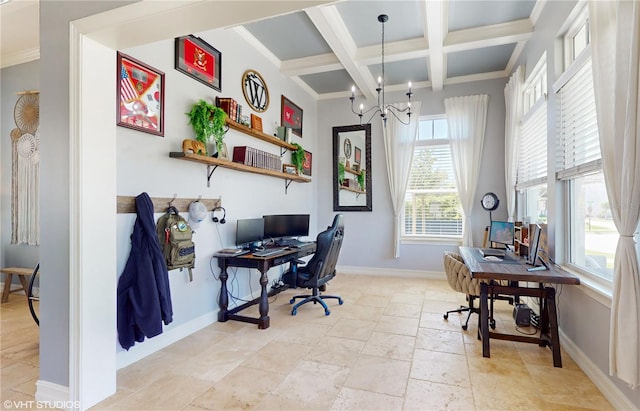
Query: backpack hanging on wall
{"points": [[175, 237]]}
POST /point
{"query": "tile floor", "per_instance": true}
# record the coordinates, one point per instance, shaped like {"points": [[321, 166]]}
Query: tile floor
{"points": [[387, 348]]}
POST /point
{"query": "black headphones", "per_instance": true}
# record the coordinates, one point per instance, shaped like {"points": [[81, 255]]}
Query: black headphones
{"points": [[216, 219]]}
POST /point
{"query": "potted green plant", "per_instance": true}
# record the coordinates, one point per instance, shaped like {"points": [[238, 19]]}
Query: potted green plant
{"points": [[341, 173], [208, 121], [297, 157], [361, 179]]}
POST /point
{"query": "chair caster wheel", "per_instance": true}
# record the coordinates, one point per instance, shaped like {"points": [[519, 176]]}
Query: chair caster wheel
{"points": [[464, 327], [446, 316], [294, 312], [340, 302], [492, 324], [291, 301], [327, 312]]}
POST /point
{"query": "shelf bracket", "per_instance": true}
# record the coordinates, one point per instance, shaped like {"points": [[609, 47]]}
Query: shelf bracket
{"points": [[287, 183], [209, 174], [283, 151]]}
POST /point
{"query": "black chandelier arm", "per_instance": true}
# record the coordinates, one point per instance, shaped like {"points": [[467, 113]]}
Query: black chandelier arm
{"points": [[361, 113], [400, 111]]}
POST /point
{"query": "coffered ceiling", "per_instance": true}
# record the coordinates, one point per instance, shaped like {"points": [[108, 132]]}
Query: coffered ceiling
{"points": [[328, 49]]}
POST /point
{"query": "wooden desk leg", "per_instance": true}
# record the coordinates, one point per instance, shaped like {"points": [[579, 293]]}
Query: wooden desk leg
{"points": [[263, 307], [484, 319], [223, 300], [553, 326], [7, 287]]}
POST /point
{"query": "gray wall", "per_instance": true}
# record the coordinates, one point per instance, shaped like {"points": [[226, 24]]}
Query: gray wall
{"points": [[372, 231], [13, 79]]}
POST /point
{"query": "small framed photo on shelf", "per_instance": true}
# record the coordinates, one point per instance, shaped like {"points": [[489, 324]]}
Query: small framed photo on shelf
{"points": [[291, 116], [306, 166], [198, 59], [140, 96], [256, 122], [289, 169], [357, 155]]}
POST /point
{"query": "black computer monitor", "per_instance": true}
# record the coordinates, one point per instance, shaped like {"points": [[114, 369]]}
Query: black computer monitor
{"points": [[286, 225], [534, 247], [249, 232], [501, 232]]}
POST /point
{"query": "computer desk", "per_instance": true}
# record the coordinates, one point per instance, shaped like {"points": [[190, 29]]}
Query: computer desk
{"points": [[515, 272], [262, 264]]}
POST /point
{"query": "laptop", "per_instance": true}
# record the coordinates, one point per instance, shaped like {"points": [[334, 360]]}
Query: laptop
{"points": [[492, 252]]}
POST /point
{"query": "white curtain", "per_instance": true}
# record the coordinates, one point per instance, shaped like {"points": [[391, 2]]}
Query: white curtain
{"points": [[615, 33], [399, 143], [467, 118], [513, 117]]}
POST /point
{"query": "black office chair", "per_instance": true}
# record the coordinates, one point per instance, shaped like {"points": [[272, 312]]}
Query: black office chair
{"points": [[321, 268]]}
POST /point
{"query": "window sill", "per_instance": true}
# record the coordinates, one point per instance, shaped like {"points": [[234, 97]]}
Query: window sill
{"points": [[599, 290], [431, 240]]}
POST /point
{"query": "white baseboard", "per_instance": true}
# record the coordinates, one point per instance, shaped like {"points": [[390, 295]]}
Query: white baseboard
{"points": [[168, 337], [601, 380], [51, 395], [391, 272]]}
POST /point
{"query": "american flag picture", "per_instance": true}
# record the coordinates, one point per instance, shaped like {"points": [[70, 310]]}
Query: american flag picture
{"points": [[140, 96]]}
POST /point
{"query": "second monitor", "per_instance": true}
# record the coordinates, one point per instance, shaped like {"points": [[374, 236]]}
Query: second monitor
{"points": [[501, 232], [283, 226]]}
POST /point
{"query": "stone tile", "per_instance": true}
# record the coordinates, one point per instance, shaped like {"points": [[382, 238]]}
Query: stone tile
{"points": [[170, 392], [381, 375], [440, 340], [353, 329], [337, 351], [403, 310], [398, 347], [440, 367], [277, 356], [304, 334], [398, 325], [426, 395], [353, 399]]}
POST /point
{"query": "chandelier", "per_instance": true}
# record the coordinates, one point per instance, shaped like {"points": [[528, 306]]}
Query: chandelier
{"points": [[381, 107]]}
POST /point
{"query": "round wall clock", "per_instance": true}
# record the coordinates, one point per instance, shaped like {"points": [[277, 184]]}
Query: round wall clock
{"points": [[490, 201], [255, 90], [347, 148]]}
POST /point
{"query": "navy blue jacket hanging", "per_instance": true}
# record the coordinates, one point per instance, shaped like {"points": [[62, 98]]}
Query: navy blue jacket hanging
{"points": [[144, 298]]}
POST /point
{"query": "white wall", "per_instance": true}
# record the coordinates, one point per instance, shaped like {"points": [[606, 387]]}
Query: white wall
{"points": [[372, 231], [143, 164]]}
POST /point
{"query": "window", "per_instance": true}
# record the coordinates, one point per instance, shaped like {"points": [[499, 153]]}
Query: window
{"points": [[531, 180], [432, 207], [592, 236]]}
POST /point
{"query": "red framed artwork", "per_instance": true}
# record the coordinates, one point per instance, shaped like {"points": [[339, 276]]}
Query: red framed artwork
{"points": [[140, 96], [291, 116], [357, 156], [198, 59], [306, 166]]}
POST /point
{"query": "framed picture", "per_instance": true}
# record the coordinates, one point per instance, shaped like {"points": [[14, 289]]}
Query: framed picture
{"points": [[357, 155], [139, 96], [306, 166], [198, 59], [291, 116]]}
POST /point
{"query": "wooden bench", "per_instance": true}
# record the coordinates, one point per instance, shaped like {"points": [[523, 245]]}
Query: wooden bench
{"points": [[9, 272]]}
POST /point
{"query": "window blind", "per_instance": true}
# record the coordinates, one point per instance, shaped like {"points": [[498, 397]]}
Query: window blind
{"points": [[532, 162], [578, 144]]}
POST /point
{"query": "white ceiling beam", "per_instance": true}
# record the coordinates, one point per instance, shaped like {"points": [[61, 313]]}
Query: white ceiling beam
{"points": [[332, 28], [514, 56], [488, 36], [436, 26], [476, 77], [310, 65], [395, 51]]}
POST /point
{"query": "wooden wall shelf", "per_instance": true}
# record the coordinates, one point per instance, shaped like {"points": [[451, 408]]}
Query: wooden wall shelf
{"points": [[352, 171], [259, 135], [353, 190], [213, 163]]}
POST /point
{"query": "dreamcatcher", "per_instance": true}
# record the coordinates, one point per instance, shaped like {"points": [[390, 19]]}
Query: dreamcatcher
{"points": [[25, 171]]}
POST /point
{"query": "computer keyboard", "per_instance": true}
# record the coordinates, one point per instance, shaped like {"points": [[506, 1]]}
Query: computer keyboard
{"points": [[292, 242], [268, 251]]}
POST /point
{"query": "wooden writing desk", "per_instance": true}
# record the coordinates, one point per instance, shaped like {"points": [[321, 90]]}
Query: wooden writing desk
{"points": [[515, 272], [9, 272], [262, 264]]}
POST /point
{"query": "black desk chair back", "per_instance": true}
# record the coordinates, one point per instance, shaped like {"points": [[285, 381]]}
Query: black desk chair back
{"points": [[321, 268]]}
